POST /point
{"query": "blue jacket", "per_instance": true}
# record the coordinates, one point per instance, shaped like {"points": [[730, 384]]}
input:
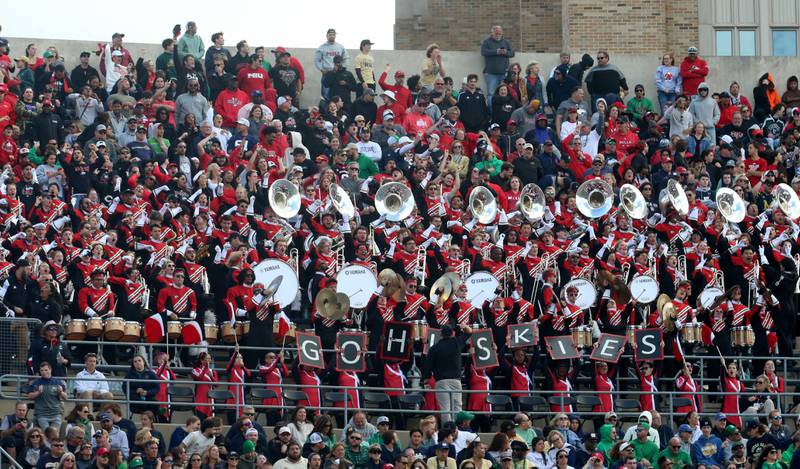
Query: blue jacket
{"points": [[708, 451]]}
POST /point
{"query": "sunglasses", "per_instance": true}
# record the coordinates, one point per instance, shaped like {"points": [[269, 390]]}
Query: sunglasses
{"points": [[675, 446]]}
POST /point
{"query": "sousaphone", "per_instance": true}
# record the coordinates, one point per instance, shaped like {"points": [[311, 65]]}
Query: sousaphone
{"points": [[632, 201], [532, 202], [594, 198], [788, 201], [341, 201], [284, 198], [483, 205], [730, 205], [394, 201], [675, 195]]}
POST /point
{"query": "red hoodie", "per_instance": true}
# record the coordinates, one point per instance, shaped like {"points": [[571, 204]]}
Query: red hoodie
{"points": [[252, 79], [402, 94], [228, 104], [693, 73]]}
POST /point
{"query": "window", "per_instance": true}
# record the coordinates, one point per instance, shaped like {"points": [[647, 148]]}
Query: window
{"points": [[724, 43], [784, 43], [747, 43]]}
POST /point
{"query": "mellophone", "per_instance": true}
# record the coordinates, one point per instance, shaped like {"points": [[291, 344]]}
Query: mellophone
{"points": [[119, 330]]}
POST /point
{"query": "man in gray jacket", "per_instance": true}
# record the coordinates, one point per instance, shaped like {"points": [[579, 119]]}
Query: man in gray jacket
{"points": [[496, 51], [323, 57], [704, 109]]}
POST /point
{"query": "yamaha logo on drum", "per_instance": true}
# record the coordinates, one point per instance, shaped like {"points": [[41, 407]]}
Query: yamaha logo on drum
{"points": [[481, 280], [267, 269]]}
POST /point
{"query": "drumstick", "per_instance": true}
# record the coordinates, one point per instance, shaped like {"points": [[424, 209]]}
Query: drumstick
{"points": [[355, 293]]}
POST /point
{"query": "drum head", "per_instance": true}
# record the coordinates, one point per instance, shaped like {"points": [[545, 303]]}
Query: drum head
{"points": [[269, 270], [708, 296], [358, 283], [481, 287], [586, 292], [644, 289]]}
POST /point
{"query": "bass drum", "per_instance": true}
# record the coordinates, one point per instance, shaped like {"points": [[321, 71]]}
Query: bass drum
{"points": [[644, 289], [267, 271], [358, 283], [587, 294], [481, 287], [707, 297]]}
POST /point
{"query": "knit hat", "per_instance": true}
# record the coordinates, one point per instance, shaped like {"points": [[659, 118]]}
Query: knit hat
{"points": [[248, 447]]}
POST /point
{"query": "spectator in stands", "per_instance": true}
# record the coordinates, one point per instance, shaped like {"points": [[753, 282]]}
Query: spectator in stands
{"points": [[142, 387], [198, 440], [645, 450], [13, 429], [525, 430], [277, 447], [148, 423], [52, 457], [212, 458], [90, 383], [79, 418], [191, 102], [473, 106], [116, 437], [33, 450], [293, 459], [360, 423], [496, 50], [48, 394], [707, 450], [693, 72], [668, 82], [178, 435], [441, 460], [605, 80], [444, 363]]}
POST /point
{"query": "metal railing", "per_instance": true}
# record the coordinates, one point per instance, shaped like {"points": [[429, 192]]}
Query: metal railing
{"points": [[14, 387], [6, 458]]}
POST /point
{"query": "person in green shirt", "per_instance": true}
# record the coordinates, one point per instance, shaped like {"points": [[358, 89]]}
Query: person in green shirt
{"points": [[608, 436], [639, 105], [644, 449], [191, 43], [490, 163], [366, 167], [525, 430], [357, 450], [674, 453], [158, 143], [383, 427], [164, 61]]}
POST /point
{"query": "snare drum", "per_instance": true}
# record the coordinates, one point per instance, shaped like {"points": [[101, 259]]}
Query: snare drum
{"points": [[632, 334], [690, 333], [174, 329], [94, 327], [76, 330], [420, 329], [739, 336], [210, 331], [749, 336], [133, 331], [581, 336], [228, 333], [114, 329]]}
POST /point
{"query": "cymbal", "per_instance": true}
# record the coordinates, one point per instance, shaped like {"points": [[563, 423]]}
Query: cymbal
{"points": [[388, 277], [338, 308], [661, 301], [273, 286], [325, 298], [668, 312], [441, 287], [455, 280]]}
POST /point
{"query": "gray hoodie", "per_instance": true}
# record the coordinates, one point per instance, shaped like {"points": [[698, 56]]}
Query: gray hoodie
{"points": [[705, 110], [323, 57]]}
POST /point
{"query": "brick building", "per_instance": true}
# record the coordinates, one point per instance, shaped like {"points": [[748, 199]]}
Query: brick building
{"points": [[718, 27]]}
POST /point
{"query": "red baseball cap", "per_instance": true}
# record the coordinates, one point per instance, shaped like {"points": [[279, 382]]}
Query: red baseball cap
{"points": [[681, 170], [399, 73], [279, 50]]}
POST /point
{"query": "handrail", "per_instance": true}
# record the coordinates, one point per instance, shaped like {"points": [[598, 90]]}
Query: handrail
{"points": [[5, 457], [665, 396]]}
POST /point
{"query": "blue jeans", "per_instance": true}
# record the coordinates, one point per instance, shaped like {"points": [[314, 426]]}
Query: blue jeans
{"points": [[492, 82], [663, 99]]}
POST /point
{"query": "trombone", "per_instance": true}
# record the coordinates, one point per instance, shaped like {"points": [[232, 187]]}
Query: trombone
{"points": [[422, 263], [294, 257], [681, 267]]}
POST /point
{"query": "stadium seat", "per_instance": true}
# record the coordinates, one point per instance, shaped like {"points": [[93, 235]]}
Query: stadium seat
{"points": [[220, 395], [377, 400], [180, 395], [293, 397], [260, 394], [588, 401], [499, 400], [627, 405], [561, 400], [536, 406], [412, 401], [336, 397]]}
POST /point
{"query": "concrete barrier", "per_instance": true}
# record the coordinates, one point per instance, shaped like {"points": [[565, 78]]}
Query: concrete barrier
{"points": [[638, 68]]}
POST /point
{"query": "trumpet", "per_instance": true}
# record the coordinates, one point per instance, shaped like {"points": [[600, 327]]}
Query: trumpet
{"points": [[797, 265], [338, 251], [146, 300], [464, 269], [681, 268], [719, 279], [422, 263], [373, 245], [205, 283], [294, 258]]}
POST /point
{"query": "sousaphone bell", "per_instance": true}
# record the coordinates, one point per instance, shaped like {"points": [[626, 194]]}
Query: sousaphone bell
{"points": [[394, 201], [594, 198], [284, 198], [532, 202], [341, 201], [675, 195], [632, 201], [483, 205], [788, 201], [730, 205]]}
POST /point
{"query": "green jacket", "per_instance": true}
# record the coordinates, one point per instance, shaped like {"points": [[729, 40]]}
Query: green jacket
{"points": [[639, 107], [191, 45], [165, 63], [157, 148], [366, 167], [606, 442], [493, 166], [678, 460], [359, 458], [645, 450]]}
